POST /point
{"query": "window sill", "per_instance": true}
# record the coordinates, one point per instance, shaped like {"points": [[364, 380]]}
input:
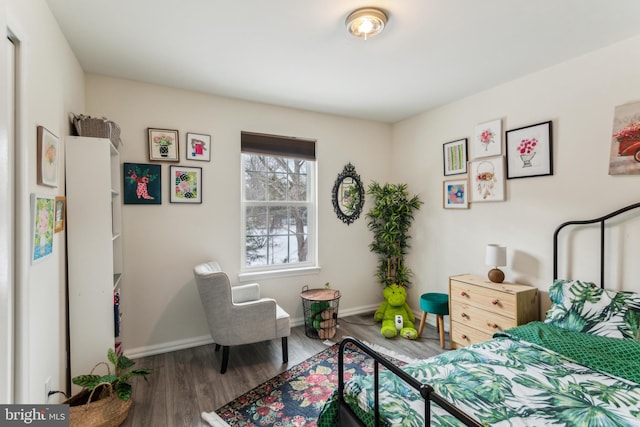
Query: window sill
{"points": [[272, 274]]}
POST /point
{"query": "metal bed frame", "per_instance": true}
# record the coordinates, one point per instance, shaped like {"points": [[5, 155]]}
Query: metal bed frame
{"points": [[602, 221], [346, 416]]}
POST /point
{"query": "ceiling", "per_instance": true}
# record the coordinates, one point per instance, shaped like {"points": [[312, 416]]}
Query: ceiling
{"points": [[297, 53]]}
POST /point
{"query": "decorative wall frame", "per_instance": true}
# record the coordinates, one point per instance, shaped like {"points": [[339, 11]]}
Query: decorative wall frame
{"points": [[59, 216], [529, 151], [198, 147], [454, 157], [347, 195], [487, 139], [42, 219], [486, 179], [142, 184], [163, 145], [455, 194], [47, 157], [185, 184], [624, 157]]}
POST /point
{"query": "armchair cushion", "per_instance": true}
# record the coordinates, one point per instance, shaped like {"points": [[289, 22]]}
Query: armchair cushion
{"points": [[244, 293]]}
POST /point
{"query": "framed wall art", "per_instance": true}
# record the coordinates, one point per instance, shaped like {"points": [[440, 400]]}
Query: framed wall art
{"points": [[47, 157], [487, 139], [60, 205], [529, 151], [163, 145], [198, 147], [141, 184], [42, 218], [185, 185], [624, 157], [486, 179], [455, 194], [455, 157]]}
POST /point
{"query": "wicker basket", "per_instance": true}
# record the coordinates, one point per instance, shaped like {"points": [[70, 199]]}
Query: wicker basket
{"points": [[108, 410], [96, 127]]}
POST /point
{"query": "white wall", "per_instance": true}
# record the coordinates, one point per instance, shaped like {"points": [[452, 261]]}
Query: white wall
{"points": [[579, 96], [50, 84], [162, 243]]}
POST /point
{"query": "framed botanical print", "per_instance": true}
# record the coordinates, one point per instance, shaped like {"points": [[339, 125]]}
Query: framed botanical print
{"points": [[185, 185], [42, 219], [487, 139], [163, 145], [47, 157], [624, 156], [486, 179], [529, 151], [142, 184], [455, 157]]}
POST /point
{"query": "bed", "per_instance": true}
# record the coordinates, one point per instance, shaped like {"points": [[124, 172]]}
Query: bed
{"points": [[580, 367]]}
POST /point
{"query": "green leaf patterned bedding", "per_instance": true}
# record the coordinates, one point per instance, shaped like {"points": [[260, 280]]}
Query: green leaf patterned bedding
{"points": [[512, 380]]}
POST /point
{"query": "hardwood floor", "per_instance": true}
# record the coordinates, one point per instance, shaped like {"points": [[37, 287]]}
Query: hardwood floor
{"points": [[185, 383]]}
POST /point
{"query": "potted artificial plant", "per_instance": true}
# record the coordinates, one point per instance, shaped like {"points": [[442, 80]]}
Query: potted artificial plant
{"points": [[390, 219], [105, 399]]}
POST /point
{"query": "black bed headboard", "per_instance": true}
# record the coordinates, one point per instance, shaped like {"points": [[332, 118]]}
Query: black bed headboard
{"points": [[600, 220]]}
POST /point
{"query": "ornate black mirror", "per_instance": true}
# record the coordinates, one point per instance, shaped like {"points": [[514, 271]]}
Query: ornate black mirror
{"points": [[348, 195]]}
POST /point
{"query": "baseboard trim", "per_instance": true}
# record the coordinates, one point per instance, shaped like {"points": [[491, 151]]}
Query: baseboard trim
{"points": [[152, 350]]}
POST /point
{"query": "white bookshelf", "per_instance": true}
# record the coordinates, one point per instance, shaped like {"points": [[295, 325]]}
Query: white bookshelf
{"points": [[94, 247]]}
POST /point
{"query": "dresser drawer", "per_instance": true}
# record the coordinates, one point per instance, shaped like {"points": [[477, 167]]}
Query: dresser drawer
{"points": [[464, 335], [477, 318], [488, 299]]}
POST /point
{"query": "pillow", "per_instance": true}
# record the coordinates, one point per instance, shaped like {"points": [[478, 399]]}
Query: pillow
{"points": [[584, 307]]}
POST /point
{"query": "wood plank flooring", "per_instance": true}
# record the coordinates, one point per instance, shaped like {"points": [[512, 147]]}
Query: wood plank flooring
{"points": [[185, 383]]}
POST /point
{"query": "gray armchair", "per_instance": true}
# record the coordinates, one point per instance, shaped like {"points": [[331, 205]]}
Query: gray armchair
{"points": [[236, 314]]}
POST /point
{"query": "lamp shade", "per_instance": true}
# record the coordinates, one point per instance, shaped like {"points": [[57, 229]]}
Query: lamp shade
{"points": [[496, 255]]}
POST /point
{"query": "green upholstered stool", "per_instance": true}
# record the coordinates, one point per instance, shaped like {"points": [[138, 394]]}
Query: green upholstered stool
{"points": [[437, 304]]}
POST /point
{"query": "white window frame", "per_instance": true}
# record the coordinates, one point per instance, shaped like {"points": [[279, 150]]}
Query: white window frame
{"points": [[282, 270]]}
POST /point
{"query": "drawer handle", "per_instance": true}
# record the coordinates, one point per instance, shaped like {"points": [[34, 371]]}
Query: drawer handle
{"points": [[463, 294], [463, 336], [492, 325], [495, 302], [464, 315]]}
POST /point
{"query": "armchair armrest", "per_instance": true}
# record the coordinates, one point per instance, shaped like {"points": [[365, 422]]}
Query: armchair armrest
{"points": [[244, 293]]}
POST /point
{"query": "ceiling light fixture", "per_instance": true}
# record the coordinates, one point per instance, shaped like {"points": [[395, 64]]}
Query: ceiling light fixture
{"points": [[366, 23]]}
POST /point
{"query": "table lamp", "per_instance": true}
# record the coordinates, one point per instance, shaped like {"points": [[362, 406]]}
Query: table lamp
{"points": [[496, 257]]}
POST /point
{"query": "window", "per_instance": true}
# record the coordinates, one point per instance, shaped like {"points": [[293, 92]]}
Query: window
{"points": [[278, 202]]}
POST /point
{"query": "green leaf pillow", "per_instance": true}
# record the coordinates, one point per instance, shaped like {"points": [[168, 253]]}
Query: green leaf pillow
{"points": [[584, 307]]}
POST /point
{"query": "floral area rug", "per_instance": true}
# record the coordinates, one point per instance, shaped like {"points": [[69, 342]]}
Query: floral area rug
{"points": [[295, 397]]}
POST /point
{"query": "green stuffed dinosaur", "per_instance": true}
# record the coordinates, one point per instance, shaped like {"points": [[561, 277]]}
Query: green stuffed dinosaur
{"points": [[394, 303]]}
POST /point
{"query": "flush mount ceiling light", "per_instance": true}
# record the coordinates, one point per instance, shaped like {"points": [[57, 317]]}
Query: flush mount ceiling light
{"points": [[366, 23]]}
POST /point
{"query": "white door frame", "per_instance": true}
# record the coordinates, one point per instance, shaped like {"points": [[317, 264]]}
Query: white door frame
{"points": [[7, 219]]}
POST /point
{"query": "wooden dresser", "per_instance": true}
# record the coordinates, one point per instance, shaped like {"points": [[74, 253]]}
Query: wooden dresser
{"points": [[478, 308]]}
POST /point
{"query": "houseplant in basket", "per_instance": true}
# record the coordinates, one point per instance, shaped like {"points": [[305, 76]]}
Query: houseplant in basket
{"points": [[105, 399]]}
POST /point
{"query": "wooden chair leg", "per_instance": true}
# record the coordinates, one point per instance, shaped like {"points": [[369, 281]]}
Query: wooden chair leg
{"points": [[441, 329], [422, 320], [285, 350], [225, 359]]}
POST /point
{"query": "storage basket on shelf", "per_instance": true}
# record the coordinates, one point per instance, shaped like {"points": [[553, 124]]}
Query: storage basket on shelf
{"points": [[320, 309], [97, 128]]}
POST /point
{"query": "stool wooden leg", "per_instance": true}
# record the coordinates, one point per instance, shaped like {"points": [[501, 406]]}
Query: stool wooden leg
{"points": [[422, 320], [441, 329]]}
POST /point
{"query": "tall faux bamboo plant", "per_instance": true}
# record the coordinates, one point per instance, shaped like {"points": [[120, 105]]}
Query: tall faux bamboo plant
{"points": [[390, 219]]}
